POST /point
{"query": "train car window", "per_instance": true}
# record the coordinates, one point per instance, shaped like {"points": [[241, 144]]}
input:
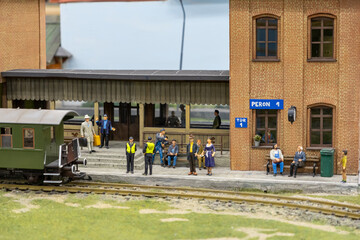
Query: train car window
{"points": [[6, 137], [29, 137]]}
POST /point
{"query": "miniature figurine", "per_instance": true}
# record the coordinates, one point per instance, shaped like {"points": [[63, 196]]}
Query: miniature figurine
{"points": [[209, 151], [159, 146], [87, 131], [191, 151], [217, 120], [277, 159], [299, 161], [106, 127], [173, 121], [148, 151], [172, 153], [201, 157], [130, 154], [343, 162]]}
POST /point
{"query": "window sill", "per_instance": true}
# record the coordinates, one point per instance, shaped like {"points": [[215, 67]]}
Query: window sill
{"points": [[266, 60], [321, 60], [263, 147], [316, 148]]}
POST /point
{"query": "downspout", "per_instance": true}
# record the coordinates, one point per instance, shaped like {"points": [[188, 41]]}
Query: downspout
{"points": [[183, 34]]}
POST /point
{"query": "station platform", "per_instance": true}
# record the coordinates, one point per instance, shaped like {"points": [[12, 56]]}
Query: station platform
{"points": [[224, 178]]}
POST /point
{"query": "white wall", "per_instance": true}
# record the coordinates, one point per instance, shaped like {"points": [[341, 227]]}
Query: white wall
{"points": [[146, 35]]}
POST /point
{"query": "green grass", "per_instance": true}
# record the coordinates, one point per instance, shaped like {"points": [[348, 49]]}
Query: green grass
{"points": [[58, 221], [354, 199]]}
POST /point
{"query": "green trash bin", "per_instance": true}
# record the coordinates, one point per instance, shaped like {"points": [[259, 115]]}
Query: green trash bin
{"points": [[327, 162]]}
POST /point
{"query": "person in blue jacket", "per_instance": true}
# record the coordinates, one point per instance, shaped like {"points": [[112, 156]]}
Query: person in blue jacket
{"points": [[299, 161], [105, 128]]}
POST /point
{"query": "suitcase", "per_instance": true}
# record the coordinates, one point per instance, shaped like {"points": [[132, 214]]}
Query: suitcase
{"points": [[96, 140], [83, 142]]}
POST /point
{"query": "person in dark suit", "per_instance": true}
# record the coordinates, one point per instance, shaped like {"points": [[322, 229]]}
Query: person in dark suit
{"points": [[299, 161], [105, 128], [191, 151]]}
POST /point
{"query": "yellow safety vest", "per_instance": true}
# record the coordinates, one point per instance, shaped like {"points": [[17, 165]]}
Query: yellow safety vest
{"points": [[132, 149], [150, 147]]}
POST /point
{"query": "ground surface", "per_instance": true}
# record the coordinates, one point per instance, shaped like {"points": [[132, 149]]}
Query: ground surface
{"points": [[43, 216]]}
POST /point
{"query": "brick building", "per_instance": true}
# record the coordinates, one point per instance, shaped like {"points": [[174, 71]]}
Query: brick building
{"points": [[307, 53], [22, 34]]}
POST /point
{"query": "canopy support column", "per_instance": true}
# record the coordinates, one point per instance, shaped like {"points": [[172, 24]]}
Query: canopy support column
{"points": [[141, 124], [9, 104]]}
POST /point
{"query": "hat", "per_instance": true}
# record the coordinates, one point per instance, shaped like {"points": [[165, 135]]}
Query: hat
{"points": [[131, 138], [105, 115], [191, 136], [162, 130], [149, 138], [87, 116]]}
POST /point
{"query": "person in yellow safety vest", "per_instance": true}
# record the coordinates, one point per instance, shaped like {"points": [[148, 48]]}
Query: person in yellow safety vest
{"points": [[130, 154], [148, 151]]}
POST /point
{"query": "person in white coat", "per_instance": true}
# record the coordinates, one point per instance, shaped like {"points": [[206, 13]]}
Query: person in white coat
{"points": [[87, 131]]}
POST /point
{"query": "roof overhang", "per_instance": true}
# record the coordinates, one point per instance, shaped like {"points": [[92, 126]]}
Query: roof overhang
{"points": [[145, 75], [35, 116]]}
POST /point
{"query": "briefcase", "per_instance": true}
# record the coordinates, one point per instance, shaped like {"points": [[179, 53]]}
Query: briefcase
{"points": [[83, 142]]}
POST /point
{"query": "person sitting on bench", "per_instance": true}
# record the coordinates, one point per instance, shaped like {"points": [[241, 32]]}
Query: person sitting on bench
{"points": [[277, 159], [299, 161]]}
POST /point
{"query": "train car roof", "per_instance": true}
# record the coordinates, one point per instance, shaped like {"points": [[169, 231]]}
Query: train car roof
{"points": [[35, 116]]}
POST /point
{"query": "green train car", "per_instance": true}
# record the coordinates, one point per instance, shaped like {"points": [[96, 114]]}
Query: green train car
{"points": [[32, 144]]}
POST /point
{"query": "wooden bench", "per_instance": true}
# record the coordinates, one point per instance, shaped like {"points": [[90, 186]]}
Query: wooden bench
{"points": [[311, 163]]}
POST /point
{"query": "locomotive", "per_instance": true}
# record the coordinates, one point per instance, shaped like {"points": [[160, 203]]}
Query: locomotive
{"points": [[32, 144]]}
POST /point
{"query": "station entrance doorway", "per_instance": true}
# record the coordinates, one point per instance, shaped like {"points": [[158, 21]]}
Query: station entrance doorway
{"points": [[125, 119]]}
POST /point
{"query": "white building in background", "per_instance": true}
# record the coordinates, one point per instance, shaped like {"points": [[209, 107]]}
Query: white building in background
{"points": [[146, 34]]}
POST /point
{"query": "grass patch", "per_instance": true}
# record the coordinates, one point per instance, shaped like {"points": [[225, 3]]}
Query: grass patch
{"points": [[354, 199], [56, 220]]}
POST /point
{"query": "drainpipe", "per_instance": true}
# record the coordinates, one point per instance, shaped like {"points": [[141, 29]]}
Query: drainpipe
{"points": [[183, 34]]}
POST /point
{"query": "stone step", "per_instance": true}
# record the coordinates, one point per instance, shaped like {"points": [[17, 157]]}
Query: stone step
{"points": [[113, 160], [108, 155], [113, 165]]}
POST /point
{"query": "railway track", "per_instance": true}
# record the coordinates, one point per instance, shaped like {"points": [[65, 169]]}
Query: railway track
{"points": [[312, 205]]}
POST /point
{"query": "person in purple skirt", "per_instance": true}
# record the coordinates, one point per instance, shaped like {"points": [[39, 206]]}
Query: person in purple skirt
{"points": [[209, 153]]}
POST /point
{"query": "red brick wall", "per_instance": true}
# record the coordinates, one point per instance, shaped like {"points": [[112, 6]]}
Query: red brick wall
{"points": [[293, 78]]}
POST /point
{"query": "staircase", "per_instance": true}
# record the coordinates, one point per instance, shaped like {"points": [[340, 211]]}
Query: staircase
{"points": [[114, 157]]}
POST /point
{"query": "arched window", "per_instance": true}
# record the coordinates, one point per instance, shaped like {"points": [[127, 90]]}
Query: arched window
{"points": [[322, 38], [266, 38], [321, 126]]}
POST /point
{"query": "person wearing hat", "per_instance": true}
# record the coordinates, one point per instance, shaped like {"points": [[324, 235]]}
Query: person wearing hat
{"points": [[149, 149], [130, 154], [159, 146], [105, 128], [172, 153], [87, 131], [191, 151]]}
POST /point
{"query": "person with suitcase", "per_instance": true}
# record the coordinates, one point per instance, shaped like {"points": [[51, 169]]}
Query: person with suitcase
{"points": [[148, 151], [87, 131], [130, 154], [105, 128]]}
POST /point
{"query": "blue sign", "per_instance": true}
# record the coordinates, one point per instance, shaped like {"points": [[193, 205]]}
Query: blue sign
{"points": [[241, 123], [266, 104]]}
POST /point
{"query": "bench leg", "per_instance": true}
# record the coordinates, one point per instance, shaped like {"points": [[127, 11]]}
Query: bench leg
{"points": [[267, 168], [314, 169]]}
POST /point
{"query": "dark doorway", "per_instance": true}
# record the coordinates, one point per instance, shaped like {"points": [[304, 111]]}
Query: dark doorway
{"points": [[125, 118]]}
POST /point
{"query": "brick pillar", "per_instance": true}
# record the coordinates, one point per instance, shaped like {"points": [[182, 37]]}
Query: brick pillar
{"points": [[240, 139], [293, 57], [347, 128]]}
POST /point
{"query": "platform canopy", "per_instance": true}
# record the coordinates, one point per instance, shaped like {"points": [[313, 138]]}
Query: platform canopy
{"points": [[141, 86], [35, 116]]}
